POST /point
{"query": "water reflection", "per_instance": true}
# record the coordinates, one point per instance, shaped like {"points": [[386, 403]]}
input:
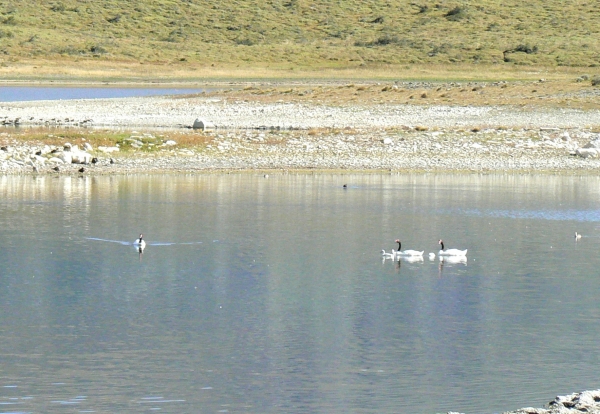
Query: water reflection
{"points": [[453, 259], [266, 296], [42, 93]]}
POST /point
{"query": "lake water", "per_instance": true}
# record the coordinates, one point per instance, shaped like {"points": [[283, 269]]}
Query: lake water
{"points": [[44, 93], [269, 295]]}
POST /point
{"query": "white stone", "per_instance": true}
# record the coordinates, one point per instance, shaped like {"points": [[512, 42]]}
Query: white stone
{"points": [[387, 141], [108, 150], [593, 144], [38, 159], [81, 157], [170, 143], [66, 156], [202, 124], [587, 152]]}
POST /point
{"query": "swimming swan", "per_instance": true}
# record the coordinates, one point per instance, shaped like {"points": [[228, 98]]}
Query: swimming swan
{"points": [[451, 252], [140, 242], [406, 252], [577, 236]]}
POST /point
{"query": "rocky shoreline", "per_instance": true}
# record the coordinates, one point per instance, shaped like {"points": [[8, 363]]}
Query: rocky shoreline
{"points": [[576, 403], [249, 136]]}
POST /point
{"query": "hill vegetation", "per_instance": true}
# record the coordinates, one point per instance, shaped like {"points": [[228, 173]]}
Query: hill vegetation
{"points": [[186, 40], [304, 33]]}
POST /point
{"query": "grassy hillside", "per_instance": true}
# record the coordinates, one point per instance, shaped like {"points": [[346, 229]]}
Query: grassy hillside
{"points": [[185, 40], [285, 34]]}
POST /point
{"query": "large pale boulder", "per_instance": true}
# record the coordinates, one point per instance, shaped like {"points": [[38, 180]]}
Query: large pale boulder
{"points": [[81, 157], [587, 152], [202, 124], [71, 154]]}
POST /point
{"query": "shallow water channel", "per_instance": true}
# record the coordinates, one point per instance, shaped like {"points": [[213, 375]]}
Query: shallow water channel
{"points": [[44, 93], [269, 294]]}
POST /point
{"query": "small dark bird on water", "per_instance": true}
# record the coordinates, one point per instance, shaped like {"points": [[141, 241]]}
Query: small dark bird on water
{"points": [[56, 169], [94, 160], [82, 170], [345, 186]]}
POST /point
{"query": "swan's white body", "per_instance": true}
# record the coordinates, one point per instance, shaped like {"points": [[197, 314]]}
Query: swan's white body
{"points": [[139, 242], [407, 252], [431, 256], [577, 236], [453, 259], [451, 252]]}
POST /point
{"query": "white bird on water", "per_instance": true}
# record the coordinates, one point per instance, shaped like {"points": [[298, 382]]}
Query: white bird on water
{"points": [[451, 252], [577, 236], [387, 255], [139, 242], [407, 252]]}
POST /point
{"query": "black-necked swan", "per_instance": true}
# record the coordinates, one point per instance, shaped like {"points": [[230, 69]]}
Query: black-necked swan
{"points": [[406, 252], [140, 242], [577, 236], [451, 252]]}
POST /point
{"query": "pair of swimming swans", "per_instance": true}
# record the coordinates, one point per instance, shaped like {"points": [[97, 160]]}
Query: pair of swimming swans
{"points": [[413, 253]]}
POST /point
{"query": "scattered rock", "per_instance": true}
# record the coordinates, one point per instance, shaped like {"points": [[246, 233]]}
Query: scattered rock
{"points": [[587, 152], [108, 150], [202, 124]]}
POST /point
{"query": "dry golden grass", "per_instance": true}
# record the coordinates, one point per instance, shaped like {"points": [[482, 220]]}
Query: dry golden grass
{"points": [[568, 93], [96, 137], [71, 70]]}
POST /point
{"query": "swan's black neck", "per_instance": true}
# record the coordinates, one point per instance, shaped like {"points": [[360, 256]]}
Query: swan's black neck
{"points": [[399, 244], [442, 243]]}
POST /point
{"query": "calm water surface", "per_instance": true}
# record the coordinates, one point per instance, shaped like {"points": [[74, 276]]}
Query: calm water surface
{"points": [[41, 93], [269, 295]]}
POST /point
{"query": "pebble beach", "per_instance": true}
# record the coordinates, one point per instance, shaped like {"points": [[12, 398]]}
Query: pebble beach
{"points": [[242, 135]]}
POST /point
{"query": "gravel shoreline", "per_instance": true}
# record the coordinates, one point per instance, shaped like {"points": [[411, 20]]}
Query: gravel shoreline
{"points": [[291, 136]]}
